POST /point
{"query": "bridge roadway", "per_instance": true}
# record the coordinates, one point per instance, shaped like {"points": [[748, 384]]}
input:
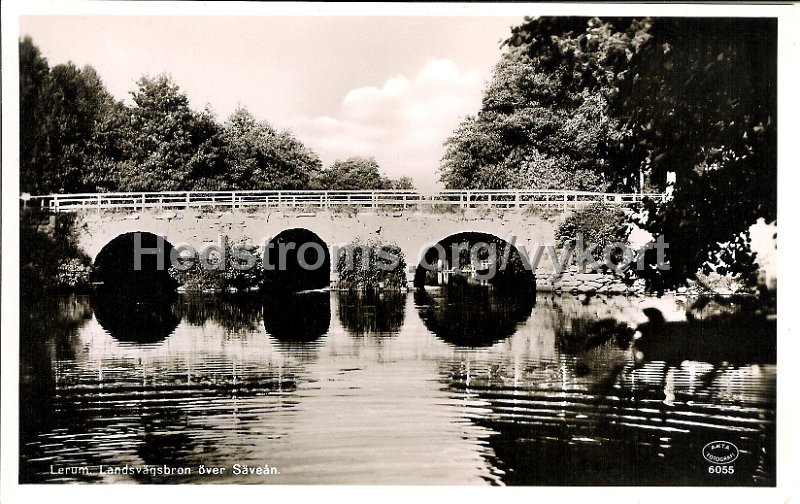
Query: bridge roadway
{"points": [[413, 220]]}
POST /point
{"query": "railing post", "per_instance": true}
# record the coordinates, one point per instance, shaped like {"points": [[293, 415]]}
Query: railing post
{"points": [[143, 201]]}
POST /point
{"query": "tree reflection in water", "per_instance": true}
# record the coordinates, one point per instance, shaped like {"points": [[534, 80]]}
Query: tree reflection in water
{"points": [[561, 402], [48, 329], [473, 315], [579, 334], [143, 321], [369, 313], [239, 313]]}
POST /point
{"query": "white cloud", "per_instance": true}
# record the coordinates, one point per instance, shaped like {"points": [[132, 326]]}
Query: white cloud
{"points": [[403, 124]]}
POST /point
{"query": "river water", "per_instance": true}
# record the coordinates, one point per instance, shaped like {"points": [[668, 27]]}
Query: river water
{"points": [[420, 388]]}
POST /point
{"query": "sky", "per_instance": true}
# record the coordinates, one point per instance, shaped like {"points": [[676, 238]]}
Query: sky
{"points": [[385, 86]]}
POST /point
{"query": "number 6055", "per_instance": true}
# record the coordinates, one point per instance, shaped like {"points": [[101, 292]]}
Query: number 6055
{"points": [[720, 469]]}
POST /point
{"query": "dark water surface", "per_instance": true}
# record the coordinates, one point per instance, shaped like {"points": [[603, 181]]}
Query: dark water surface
{"points": [[421, 388]]}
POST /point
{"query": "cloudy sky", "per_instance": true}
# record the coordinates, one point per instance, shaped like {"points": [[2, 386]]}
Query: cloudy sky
{"points": [[389, 87]]}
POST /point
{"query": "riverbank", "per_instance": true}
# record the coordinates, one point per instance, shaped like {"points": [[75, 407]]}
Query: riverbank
{"points": [[50, 257]]}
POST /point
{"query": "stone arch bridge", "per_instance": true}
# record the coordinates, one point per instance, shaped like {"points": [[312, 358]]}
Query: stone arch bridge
{"points": [[412, 220]]}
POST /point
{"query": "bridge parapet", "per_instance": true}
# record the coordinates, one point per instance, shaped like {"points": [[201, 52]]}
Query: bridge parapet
{"points": [[333, 200]]}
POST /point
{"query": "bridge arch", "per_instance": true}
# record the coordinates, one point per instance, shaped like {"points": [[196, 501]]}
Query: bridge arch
{"points": [[135, 265], [296, 259], [483, 254]]}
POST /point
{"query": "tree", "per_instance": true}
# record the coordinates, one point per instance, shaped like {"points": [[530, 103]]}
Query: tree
{"points": [[162, 138], [262, 158], [209, 164], [110, 142], [75, 137], [33, 72], [544, 120], [705, 107], [68, 122], [590, 103], [78, 107], [352, 174], [402, 184]]}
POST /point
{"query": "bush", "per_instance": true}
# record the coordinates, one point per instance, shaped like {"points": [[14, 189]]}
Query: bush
{"points": [[600, 224], [73, 274], [235, 272], [49, 256], [371, 266]]}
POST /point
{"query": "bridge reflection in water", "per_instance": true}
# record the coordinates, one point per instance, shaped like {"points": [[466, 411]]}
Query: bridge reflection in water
{"points": [[341, 388]]}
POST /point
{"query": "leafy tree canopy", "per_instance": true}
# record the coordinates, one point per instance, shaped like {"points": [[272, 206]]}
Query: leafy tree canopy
{"points": [[357, 173], [262, 158], [75, 137], [583, 103]]}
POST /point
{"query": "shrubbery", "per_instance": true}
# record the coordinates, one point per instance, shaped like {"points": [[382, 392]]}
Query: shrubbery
{"points": [[74, 273], [218, 272], [371, 265], [599, 224], [49, 256]]}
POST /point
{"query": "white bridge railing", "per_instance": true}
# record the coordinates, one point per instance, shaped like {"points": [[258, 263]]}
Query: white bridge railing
{"points": [[331, 199]]}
